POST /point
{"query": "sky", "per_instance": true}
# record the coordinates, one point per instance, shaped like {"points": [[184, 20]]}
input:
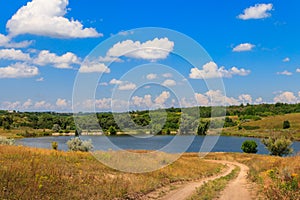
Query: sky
{"points": [[64, 55]]}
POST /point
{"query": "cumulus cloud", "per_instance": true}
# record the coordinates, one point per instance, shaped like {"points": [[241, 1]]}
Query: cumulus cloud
{"points": [[18, 70], [286, 97], [64, 61], [285, 72], [287, 59], [61, 102], [127, 86], [94, 67], [27, 104], [158, 48], [13, 54], [258, 100], [5, 41], [162, 98], [169, 83], [145, 101], [217, 97], [46, 18], [258, 11], [151, 76], [245, 98], [298, 70], [42, 105], [243, 47], [115, 82], [211, 70], [202, 100]]}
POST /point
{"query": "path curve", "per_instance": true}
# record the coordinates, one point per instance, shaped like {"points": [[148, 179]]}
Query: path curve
{"points": [[235, 190]]}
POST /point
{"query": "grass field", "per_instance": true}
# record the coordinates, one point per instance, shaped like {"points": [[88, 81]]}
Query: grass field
{"points": [[28, 173], [269, 126]]}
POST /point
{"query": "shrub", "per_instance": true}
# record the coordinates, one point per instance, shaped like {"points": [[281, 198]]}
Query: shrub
{"points": [[286, 124], [54, 145], [5, 141], [56, 128], [112, 130], [249, 146], [278, 146], [76, 144]]}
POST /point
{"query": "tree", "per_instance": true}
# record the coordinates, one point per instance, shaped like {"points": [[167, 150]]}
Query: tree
{"points": [[202, 128], [76, 144], [112, 130], [286, 124], [56, 128], [249, 146], [77, 132], [278, 146]]}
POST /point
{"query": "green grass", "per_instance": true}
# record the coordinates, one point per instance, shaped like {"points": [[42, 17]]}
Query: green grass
{"points": [[212, 189]]}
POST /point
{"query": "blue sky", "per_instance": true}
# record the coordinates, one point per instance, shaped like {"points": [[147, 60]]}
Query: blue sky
{"points": [[253, 45]]}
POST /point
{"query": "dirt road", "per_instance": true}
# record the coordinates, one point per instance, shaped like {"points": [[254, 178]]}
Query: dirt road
{"points": [[236, 189]]}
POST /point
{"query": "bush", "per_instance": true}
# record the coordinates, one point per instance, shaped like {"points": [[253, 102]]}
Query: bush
{"points": [[112, 130], [54, 145], [286, 125], [249, 146], [278, 146], [76, 144], [5, 141]]}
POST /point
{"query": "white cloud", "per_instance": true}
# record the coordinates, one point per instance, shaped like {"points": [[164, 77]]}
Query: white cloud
{"points": [[162, 98], [64, 61], [211, 70], [6, 42], [42, 105], [115, 82], [27, 104], [298, 70], [243, 47], [259, 11], [151, 76], [285, 72], [286, 97], [13, 54], [104, 103], [90, 67], [202, 100], [109, 59], [127, 86], [245, 98], [287, 59], [145, 101], [169, 83], [46, 18], [216, 97], [40, 79], [61, 102], [258, 100], [167, 75], [103, 84], [150, 50], [18, 70]]}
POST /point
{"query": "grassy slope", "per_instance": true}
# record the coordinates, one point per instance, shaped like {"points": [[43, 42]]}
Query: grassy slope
{"points": [[28, 173], [269, 126]]}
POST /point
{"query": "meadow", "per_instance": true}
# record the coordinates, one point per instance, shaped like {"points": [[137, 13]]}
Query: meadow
{"points": [[29, 173]]}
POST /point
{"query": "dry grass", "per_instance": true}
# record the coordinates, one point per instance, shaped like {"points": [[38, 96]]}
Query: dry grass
{"points": [[279, 178], [269, 126], [28, 173]]}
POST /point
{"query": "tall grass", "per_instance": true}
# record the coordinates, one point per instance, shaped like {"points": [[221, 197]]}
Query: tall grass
{"points": [[28, 173]]}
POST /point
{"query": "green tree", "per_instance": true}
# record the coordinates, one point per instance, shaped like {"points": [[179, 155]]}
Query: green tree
{"points": [[112, 130], [286, 124], [56, 128], [202, 128], [278, 146], [249, 146]]}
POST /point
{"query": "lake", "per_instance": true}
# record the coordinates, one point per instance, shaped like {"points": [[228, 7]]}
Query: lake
{"points": [[223, 143]]}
